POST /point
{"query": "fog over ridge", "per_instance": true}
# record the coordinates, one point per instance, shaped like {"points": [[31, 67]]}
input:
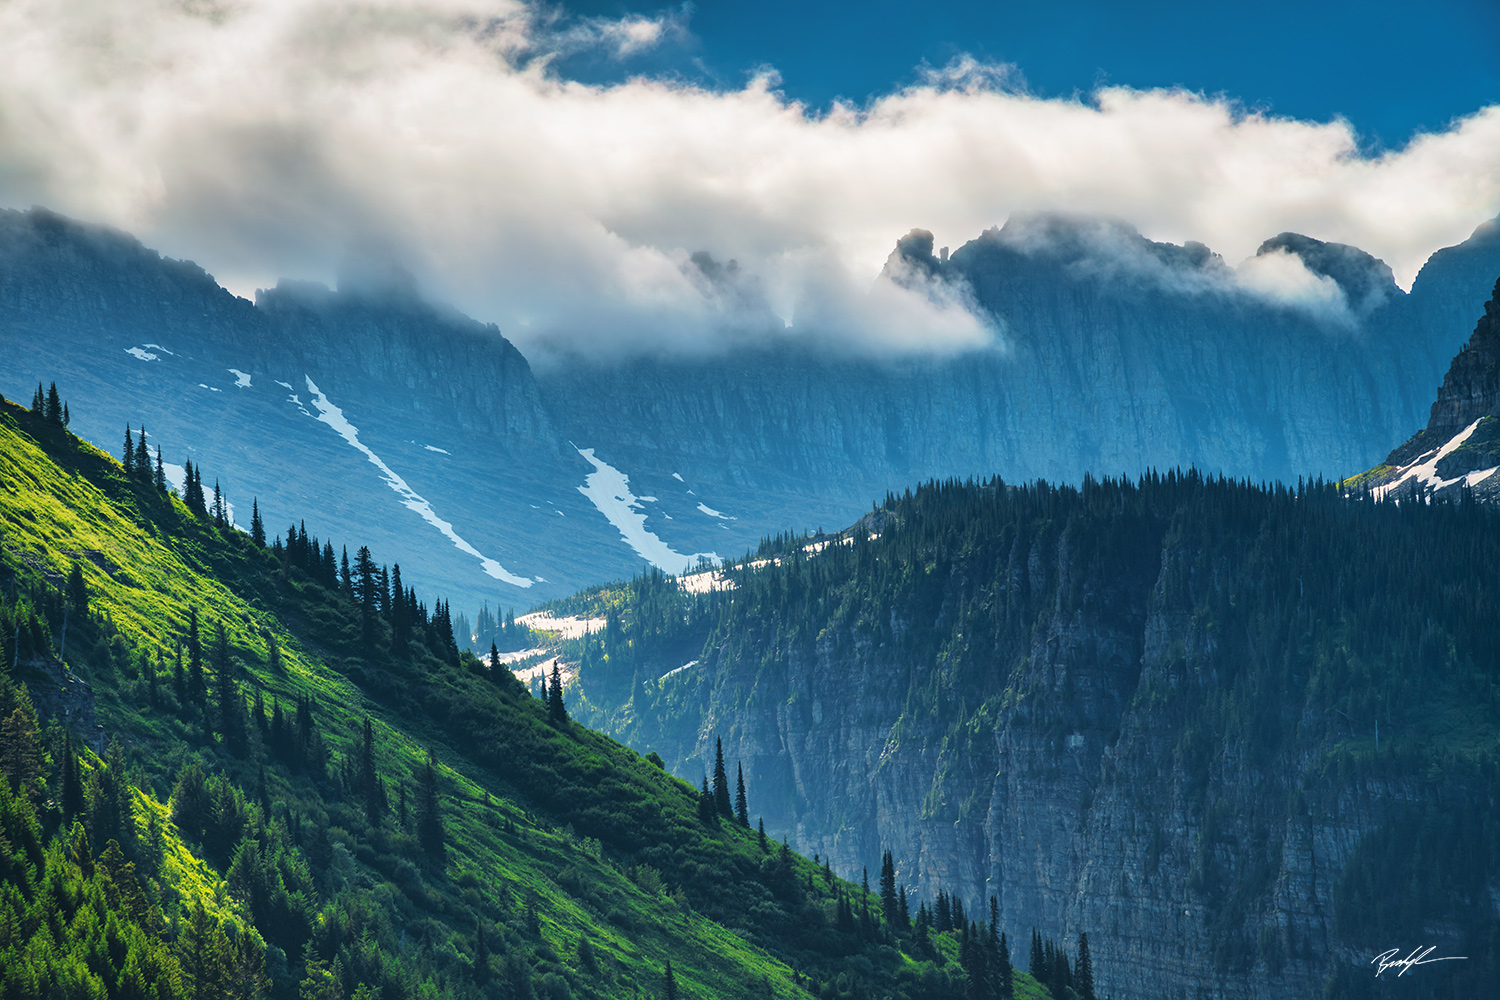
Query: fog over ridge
{"points": [[272, 138]]}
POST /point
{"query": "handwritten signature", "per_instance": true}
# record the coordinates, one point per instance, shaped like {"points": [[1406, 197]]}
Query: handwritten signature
{"points": [[1388, 960]]}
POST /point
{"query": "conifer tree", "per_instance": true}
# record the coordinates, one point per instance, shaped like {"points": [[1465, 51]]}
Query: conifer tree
{"points": [[430, 834], [127, 454], [761, 833], [257, 526], [72, 781], [20, 752], [197, 687], [741, 810], [1037, 965], [231, 706], [481, 953], [54, 406], [671, 983], [1083, 970], [142, 457], [888, 888], [1007, 989], [78, 590], [221, 518], [369, 777], [39, 402], [67, 417], [160, 478], [721, 782], [556, 709], [707, 811]]}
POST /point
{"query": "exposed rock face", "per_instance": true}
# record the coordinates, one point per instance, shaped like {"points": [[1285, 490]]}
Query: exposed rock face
{"points": [[1074, 754], [60, 694], [1459, 449]]}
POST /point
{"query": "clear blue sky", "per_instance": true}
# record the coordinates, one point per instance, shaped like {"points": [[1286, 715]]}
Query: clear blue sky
{"points": [[1390, 66]]}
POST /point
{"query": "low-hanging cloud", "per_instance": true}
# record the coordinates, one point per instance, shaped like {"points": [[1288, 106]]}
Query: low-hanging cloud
{"points": [[270, 138]]}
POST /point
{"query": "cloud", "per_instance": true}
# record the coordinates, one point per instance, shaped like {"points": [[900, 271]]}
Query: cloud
{"points": [[270, 138]]}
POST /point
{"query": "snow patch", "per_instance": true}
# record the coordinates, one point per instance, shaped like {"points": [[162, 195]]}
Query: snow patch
{"points": [[440, 451], [285, 385], [158, 347], [141, 353], [176, 476], [210, 388], [572, 627], [608, 489], [334, 417], [241, 379], [713, 513], [678, 670], [1475, 478], [678, 478], [1425, 472]]}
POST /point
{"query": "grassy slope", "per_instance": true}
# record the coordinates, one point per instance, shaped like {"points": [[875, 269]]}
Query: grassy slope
{"points": [[51, 514]]}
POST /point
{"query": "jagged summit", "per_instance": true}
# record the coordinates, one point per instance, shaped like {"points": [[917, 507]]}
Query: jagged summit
{"points": [[1460, 446]]}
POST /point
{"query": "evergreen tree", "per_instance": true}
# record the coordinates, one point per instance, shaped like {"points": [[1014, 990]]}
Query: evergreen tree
{"points": [[257, 526], [430, 833], [197, 687], [127, 454], [142, 457], [707, 811], [72, 781], [67, 417], [78, 590], [888, 888], [671, 983], [721, 782], [54, 406], [556, 709], [221, 516], [369, 778], [1007, 990], [160, 478], [761, 833], [481, 953], [1037, 966], [39, 402], [230, 706], [494, 660], [741, 811], [1083, 970]]}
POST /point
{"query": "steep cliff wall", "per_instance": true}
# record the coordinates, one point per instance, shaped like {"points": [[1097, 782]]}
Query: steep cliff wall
{"points": [[1191, 720]]}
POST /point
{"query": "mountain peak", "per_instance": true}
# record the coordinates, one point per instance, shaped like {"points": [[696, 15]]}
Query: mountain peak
{"points": [[1366, 280]]}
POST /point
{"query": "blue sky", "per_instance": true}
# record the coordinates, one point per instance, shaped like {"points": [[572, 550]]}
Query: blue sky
{"points": [[1390, 66]]}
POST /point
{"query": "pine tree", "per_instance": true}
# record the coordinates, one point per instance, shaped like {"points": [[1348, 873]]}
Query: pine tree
{"points": [[231, 706], [72, 781], [671, 983], [1037, 965], [67, 417], [160, 478], [142, 457], [430, 834], [494, 660], [888, 887], [707, 811], [221, 516], [761, 833], [39, 402], [54, 406], [481, 953], [721, 782], [741, 811], [369, 777], [197, 687], [257, 526], [127, 454], [556, 709], [1083, 970], [78, 590], [1007, 989]]}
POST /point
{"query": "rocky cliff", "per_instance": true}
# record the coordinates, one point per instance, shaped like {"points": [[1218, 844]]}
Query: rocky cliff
{"points": [[1216, 728], [1459, 449]]}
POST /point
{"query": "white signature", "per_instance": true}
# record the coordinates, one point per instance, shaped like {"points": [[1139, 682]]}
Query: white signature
{"points": [[1418, 956]]}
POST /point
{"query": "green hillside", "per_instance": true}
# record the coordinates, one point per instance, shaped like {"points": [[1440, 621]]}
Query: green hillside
{"points": [[303, 789]]}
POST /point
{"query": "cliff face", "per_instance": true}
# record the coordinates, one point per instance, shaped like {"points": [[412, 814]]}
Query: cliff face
{"points": [[1459, 449], [1181, 730], [1113, 354]]}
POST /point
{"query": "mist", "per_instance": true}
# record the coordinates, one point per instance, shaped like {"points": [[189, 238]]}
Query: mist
{"points": [[285, 138]]}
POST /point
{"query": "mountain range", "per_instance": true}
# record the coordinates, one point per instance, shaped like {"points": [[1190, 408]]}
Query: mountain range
{"points": [[370, 412]]}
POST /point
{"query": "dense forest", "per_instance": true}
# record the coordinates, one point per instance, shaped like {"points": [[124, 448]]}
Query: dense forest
{"points": [[241, 766], [1349, 643]]}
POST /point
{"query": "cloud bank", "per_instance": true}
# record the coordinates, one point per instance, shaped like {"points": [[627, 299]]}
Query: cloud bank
{"points": [[271, 138]]}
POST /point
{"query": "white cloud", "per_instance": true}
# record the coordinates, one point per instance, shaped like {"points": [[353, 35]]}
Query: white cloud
{"points": [[269, 138]]}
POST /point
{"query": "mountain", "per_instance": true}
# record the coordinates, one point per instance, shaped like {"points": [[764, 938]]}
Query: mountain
{"points": [[307, 791], [1459, 449], [1247, 737], [374, 414]]}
